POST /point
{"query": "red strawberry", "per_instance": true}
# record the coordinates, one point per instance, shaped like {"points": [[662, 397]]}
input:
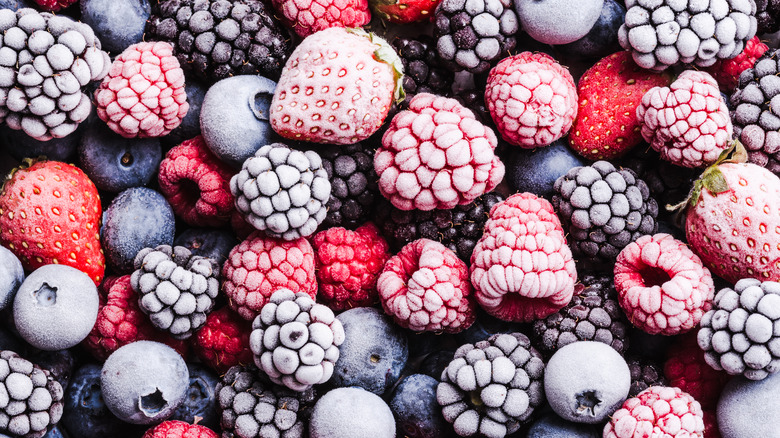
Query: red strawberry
{"points": [[50, 213], [609, 94], [404, 11]]}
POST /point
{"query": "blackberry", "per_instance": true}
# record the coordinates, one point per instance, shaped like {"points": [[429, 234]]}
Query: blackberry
{"points": [[767, 16], [31, 399], [177, 289], [644, 374], [353, 185], [475, 101], [604, 209], [424, 71], [472, 34], [252, 408], [458, 229], [593, 314], [216, 39]]}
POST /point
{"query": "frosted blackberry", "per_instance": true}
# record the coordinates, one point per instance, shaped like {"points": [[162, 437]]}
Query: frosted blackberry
{"points": [[604, 209], [424, 71], [176, 288], [472, 34], [216, 39], [353, 185], [490, 388], [282, 191], [31, 399], [458, 229], [46, 62], [644, 374], [767, 16], [594, 314], [251, 407], [296, 341], [738, 334], [662, 33]]}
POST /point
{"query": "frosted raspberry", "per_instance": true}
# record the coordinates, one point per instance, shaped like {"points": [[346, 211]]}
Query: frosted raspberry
{"points": [[425, 287], [348, 265], [143, 94], [224, 341], [54, 5], [532, 99], [658, 411], [197, 184], [179, 429], [521, 268], [687, 122], [727, 71], [436, 155], [260, 265], [686, 369], [305, 18], [662, 285]]}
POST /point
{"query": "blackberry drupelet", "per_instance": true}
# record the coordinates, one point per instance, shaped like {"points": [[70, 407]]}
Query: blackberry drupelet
{"points": [[424, 71], [216, 39], [31, 398], [767, 16], [353, 185], [644, 374]]}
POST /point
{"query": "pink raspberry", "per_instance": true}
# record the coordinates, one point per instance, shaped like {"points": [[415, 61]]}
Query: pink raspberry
{"points": [[658, 411], [436, 155], [687, 122], [349, 264], [54, 5], [260, 265], [532, 99], [143, 94], [197, 184], [521, 268], [685, 368], [662, 285], [425, 287], [308, 17]]}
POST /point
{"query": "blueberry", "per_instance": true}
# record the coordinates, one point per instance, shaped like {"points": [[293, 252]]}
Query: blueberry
{"points": [[417, 413], [234, 117], [553, 426], [536, 170], [16, 4], [749, 408], [11, 276], [436, 362], [208, 242], [558, 21], [55, 432], [20, 145], [374, 352], [351, 413], [115, 163], [190, 124], [602, 38], [117, 23], [137, 218], [201, 399]]}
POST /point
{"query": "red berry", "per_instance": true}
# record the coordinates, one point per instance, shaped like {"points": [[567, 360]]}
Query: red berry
{"points": [[54, 5], [658, 411], [686, 369], [224, 341], [179, 429], [305, 18], [727, 71]]}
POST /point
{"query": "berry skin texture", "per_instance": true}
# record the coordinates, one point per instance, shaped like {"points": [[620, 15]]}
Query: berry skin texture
{"points": [[404, 11], [306, 18], [532, 99], [54, 5], [143, 94], [686, 368], [426, 287], [687, 122], [521, 268], [336, 88], [192, 164], [662, 285], [223, 341], [50, 212], [348, 265], [609, 93], [658, 411], [436, 155], [179, 429], [260, 265], [727, 71]]}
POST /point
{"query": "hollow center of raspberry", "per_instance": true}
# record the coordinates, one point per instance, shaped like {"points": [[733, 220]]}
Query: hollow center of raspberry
{"points": [[151, 404], [46, 295], [189, 191], [653, 276], [587, 402], [261, 105]]}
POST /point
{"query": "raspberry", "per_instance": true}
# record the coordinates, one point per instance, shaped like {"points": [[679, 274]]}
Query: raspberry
{"points": [[662, 285], [143, 94], [179, 429], [348, 265], [521, 268], [727, 71], [305, 18], [657, 411], [223, 341], [120, 321], [197, 184], [54, 5], [532, 99], [260, 265], [426, 287], [686, 369], [711, 425], [436, 155], [687, 122]]}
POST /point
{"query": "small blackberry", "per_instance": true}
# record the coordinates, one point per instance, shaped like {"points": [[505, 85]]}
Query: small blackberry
{"points": [[768, 16], [644, 374], [216, 39], [424, 71], [353, 185], [594, 314], [31, 399], [475, 101], [458, 229]]}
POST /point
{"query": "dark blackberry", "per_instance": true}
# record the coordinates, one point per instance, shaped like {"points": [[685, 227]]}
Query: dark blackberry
{"points": [[644, 374], [458, 229], [768, 16], [474, 100], [424, 71], [216, 39], [594, 314], [353, 185]]}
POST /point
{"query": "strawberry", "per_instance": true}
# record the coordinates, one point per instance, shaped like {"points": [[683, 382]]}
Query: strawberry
{"points": [[609, 94], [336, 87], [50, 213], [404, 11]]}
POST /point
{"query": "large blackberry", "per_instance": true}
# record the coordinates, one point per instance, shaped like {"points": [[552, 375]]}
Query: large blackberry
{"points": [[644, 374], [767, 16], [353, 185], [220, 38], [424, 71], [458, 229], [604, 209], [594, 314], [31, 399]]}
